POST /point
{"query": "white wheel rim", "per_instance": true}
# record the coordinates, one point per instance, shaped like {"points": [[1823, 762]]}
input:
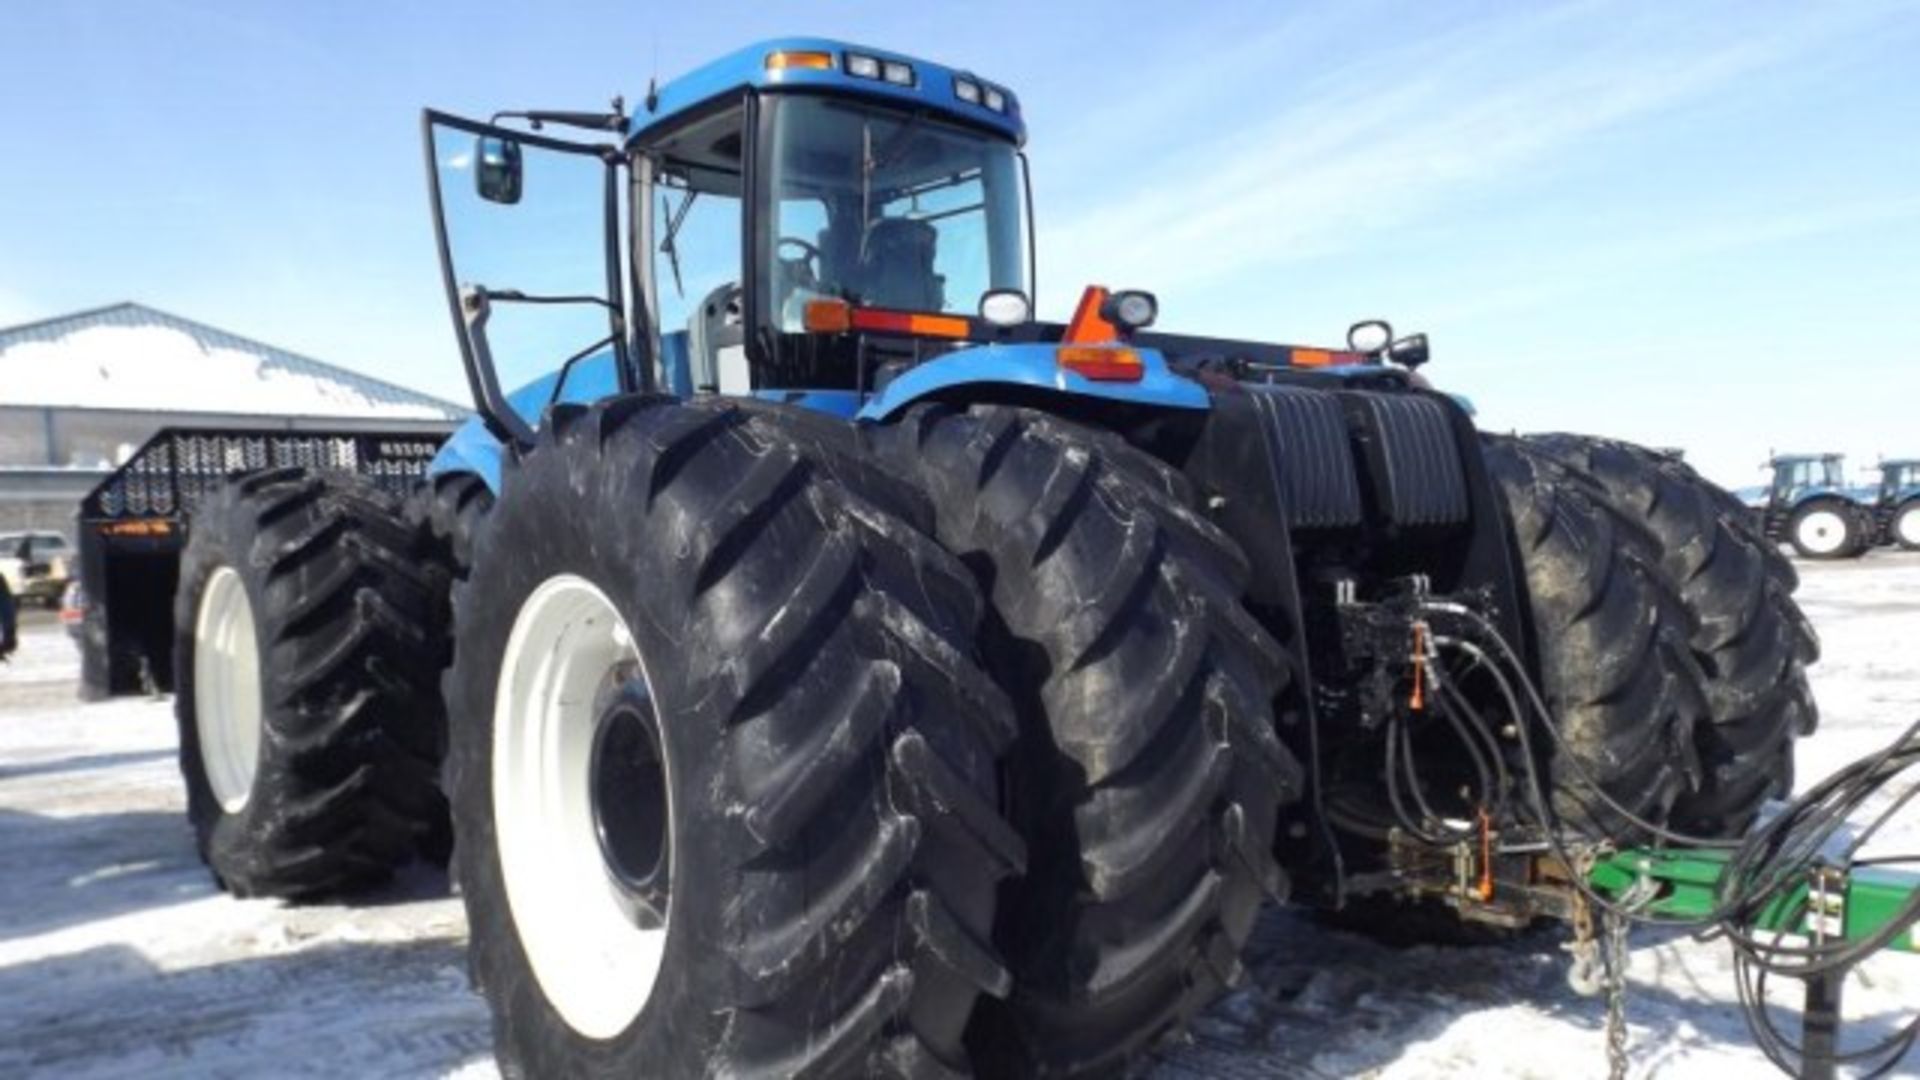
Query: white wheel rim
{"points": [[1822, 532], [595, 964], [1907, 526], [226, 689]]}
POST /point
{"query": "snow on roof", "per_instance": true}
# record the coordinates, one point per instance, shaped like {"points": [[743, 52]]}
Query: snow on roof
{"points": [[128, 356]]}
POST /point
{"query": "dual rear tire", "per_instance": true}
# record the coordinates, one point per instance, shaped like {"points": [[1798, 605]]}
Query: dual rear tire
{"points": [[1733, 648], [310, 728], [726, 770], [1147, 775]]}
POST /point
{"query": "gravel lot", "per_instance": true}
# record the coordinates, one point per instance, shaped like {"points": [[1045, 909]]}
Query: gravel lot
{"points": [[118, 957]]}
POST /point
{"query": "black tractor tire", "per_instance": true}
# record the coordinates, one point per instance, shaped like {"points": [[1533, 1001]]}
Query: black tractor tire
{"points": [[451, 508], [341, 597], [1750, 639], [1148, 776], [1904, 529], [833, 749], [1611, 636], [1831, 515]]}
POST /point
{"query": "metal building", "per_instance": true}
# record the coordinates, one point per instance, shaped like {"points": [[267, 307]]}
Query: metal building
{"points": [[81, 392]]}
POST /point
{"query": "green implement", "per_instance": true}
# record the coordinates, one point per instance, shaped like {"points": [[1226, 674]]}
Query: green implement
{"points": [[1856, 905]]}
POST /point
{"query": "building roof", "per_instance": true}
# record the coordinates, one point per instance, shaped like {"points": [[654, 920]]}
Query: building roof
{"points": [[129, 356]]}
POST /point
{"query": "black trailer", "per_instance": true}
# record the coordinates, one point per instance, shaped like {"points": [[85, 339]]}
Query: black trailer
{"points": [[134, 524]]}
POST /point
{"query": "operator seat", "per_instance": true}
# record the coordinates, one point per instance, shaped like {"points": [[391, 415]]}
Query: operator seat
{"points": [[717, 343], [898, 269]]}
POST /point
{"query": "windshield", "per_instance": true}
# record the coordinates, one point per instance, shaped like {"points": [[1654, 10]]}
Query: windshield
{"points": [[1816, 472], [887, 209]]}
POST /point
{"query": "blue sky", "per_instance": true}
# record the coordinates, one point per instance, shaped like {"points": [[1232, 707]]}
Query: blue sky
{"points": [[1689, 224]]}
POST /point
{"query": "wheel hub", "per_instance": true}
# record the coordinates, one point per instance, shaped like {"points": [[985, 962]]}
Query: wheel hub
{"points": [[1822, 531], [629, 793]]}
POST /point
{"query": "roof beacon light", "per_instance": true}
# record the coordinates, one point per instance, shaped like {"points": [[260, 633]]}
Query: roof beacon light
{"points": [[863, 66], [966, 90], [795, 59], [897, 73]]}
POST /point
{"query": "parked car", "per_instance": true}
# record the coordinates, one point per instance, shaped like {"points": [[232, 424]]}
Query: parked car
{"points": [[9, 622], [36, 565], [73, 611]]}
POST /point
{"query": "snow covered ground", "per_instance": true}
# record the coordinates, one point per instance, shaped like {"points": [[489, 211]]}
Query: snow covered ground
{"points": [[118, 958]]}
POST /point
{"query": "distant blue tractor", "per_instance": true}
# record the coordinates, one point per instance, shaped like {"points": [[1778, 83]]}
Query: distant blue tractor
{"points": [[1809, 505], [1896, 505], [836, 671]]}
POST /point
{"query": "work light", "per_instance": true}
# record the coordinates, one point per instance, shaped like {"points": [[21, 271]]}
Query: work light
{"points": [[897, 73], [994, 99], [862, 66], [1131, 309], [967, 90], [1005, 307]]}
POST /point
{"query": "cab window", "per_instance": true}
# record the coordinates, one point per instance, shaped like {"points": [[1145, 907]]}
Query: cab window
{"points": [[696, 255]]}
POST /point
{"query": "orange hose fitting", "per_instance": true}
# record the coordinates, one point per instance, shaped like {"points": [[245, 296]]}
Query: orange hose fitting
{"points": [[1417, 701], [1486, 856]]}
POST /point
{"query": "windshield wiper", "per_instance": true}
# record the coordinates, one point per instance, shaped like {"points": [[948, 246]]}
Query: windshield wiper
{"points": [[667, 246]]}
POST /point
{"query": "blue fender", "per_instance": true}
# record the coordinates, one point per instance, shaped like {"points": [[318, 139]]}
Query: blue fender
{"points": [[1803, 497], [1033, 366], [473, 449]]}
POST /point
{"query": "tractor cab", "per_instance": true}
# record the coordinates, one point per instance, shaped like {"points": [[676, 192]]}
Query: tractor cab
{"points": [[1796, 476], [793, 218], [1899, 480], [802, 220]]}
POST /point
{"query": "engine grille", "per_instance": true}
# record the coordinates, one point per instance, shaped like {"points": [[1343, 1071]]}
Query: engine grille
{"points": [[1421, 481], [1319, 484]]}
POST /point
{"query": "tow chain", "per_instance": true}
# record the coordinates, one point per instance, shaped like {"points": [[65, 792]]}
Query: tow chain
{"points": [[1614, 957], [1600, 960]]}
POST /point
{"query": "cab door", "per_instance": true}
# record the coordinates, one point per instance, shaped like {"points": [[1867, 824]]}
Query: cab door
{"points": [[529, 231]]}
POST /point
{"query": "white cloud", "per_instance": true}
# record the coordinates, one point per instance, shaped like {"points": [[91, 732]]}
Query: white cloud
{"points": [[1363, 149]]}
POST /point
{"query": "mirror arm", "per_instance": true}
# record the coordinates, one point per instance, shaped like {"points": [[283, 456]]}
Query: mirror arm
{"points": [[506, 425], [566, 366], [515, 296], [615, 120]]}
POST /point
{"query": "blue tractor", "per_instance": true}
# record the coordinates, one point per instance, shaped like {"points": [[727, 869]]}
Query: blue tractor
{"points": [[1896, 505], [1809, 505], [819, 666]]}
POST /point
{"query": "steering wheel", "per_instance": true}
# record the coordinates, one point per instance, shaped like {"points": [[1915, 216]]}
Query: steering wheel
{"points": [[809, 253]]}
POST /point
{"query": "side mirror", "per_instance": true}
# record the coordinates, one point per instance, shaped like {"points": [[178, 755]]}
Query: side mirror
{"points": [[496, 169]]}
